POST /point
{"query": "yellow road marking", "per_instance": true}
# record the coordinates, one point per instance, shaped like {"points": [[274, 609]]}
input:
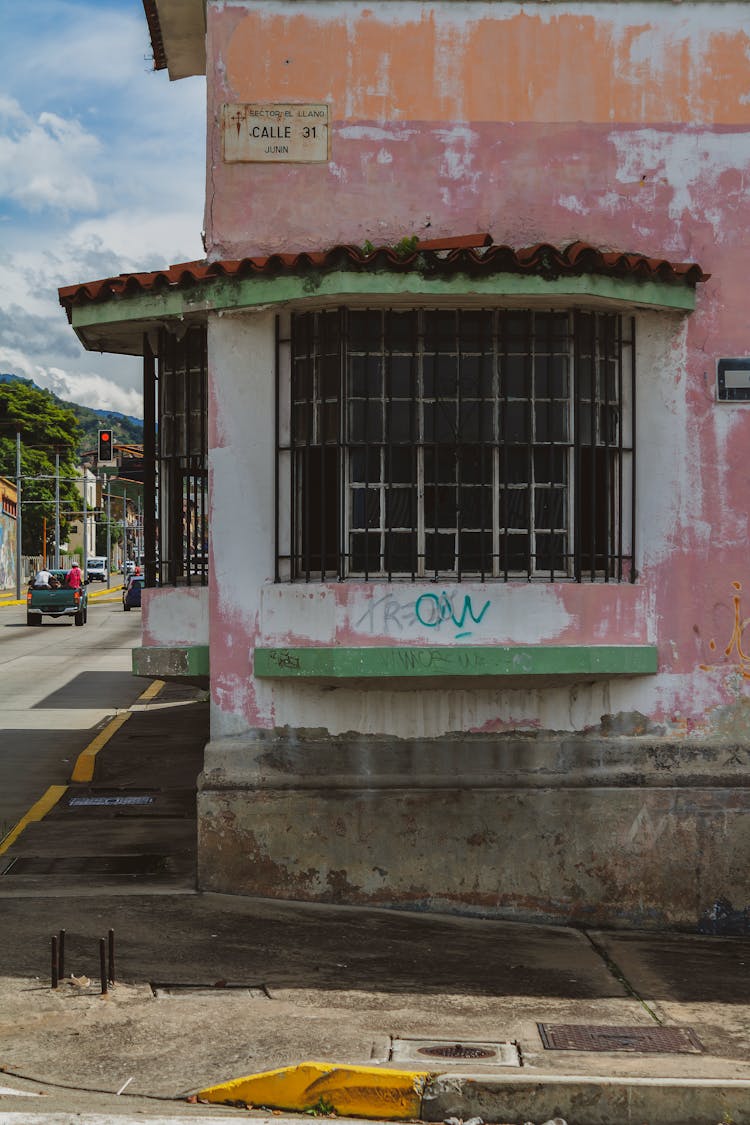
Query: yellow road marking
{"points": [[36, 812], [82, 771], [151, 691]]}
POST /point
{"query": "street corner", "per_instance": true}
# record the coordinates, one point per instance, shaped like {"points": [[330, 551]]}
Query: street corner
{"points": [[328, 1088]]}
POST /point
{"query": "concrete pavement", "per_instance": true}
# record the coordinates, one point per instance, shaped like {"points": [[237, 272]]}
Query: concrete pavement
{"points": [[211, 988]]}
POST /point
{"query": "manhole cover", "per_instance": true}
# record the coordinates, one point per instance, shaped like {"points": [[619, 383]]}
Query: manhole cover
{"points": [[109, 802], [173, 991], [642, 1040], [452, 1051]]}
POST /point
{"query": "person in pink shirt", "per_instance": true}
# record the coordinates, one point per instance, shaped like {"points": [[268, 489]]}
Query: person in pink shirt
{"points": [[73, 579]]}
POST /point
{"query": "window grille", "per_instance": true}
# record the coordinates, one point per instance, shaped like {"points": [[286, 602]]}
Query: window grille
{"points": [[450, 444], [180, 534]]}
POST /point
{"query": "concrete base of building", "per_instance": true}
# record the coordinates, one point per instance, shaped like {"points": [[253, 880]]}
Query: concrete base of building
{"points": [[622, 832]]}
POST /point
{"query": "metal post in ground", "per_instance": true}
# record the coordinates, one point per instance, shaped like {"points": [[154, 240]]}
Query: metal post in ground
{"points": [[54, 962], [103, 965]]}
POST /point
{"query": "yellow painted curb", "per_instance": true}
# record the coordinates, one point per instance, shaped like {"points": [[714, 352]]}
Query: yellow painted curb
{"points": [[83, 770], [36, 812], [349, 1091]]}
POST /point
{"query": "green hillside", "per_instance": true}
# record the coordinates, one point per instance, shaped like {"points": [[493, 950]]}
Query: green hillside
{"points": [[126, 429]]}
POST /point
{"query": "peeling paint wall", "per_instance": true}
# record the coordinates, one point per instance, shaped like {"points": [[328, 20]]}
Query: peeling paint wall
{"points": [[626, 126], [175, 616]]}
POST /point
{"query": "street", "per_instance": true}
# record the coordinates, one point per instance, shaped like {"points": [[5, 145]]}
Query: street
{"points": [[58, 686]]}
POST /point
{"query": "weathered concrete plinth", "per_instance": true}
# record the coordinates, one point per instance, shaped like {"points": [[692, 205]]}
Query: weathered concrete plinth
{"points": [[621, 832]]}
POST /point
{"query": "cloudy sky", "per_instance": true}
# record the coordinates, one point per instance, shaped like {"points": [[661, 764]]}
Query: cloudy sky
{"points": [[101, 172]]}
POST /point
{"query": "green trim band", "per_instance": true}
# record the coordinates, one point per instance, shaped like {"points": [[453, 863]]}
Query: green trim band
{"points": [[457, 660], [225, 294]]}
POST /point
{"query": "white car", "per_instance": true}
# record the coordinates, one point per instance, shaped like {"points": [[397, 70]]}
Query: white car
{"points": [[96, 569]]}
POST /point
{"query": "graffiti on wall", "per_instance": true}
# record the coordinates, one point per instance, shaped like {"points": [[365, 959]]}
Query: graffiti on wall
{"points": [[7, 551], [734, 651], [443, 612]]}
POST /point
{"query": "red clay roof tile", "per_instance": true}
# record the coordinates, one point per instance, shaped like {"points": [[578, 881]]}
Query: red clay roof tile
{"points": [[474, 254]]}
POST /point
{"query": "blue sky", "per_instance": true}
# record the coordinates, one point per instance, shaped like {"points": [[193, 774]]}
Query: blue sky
{"points": [[101, 171]]}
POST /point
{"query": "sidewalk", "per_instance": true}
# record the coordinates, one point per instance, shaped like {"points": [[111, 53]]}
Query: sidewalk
{"points": [[212, 988]]}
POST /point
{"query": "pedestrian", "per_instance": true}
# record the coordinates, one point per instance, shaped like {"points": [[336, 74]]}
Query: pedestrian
{"points": [[73, 579]]}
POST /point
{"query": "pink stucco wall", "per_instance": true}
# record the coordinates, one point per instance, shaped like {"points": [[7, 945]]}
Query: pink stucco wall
{"points": [[626, 127]]}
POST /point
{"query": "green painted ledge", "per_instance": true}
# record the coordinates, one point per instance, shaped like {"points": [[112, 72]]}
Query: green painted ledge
{"points": [[232, 294], [458, 660]]}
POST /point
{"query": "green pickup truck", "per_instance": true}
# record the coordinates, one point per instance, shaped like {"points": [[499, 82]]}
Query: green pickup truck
{"points": [[56, 602]]}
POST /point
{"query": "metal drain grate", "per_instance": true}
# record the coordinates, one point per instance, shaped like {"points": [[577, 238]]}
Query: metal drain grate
{"points": [[109, 802], [452, 1052], [641, 1040], [88, 865], [458, 1051]]}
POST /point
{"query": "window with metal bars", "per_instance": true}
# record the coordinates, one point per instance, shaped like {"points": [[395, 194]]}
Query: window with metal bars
{"points": [[450, 444], [180, 532]]}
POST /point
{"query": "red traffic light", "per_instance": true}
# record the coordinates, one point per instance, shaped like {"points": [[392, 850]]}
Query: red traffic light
{"points": [[105, 445]]}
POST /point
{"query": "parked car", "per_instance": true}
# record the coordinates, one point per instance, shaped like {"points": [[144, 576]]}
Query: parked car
{"points": [[96, 568], [131, 593]]}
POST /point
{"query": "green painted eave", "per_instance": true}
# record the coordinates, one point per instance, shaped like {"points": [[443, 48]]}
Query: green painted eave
{"points": [[582, 661], [235, 294]]}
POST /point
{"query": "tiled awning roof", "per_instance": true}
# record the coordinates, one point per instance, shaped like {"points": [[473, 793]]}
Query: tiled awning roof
{"points": [[154, 30], [475, 255]]}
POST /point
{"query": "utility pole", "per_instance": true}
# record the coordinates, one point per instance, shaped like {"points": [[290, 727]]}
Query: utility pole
{"points": [[109, 534], [19, 547], [85, 525], [124, 530], [57, 510]]}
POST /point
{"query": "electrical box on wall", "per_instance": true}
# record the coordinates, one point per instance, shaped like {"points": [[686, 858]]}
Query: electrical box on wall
{"points": [[733, 380]]}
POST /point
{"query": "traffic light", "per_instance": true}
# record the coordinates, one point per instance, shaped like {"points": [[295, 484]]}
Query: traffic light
{"points": [[106, 446]]}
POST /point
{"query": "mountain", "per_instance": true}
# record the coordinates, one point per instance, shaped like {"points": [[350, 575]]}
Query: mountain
{"points": [[126, 428]]}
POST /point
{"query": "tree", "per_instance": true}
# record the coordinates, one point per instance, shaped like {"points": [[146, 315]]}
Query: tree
{"points": [[45, 428]]}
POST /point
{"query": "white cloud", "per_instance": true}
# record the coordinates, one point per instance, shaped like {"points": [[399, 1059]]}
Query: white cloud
{"points": [[42, 162], [101, 172], [87, 388]]}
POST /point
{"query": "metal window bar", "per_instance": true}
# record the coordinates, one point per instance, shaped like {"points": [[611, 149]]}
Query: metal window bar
{"points": [[182, 463], [571, 526]]}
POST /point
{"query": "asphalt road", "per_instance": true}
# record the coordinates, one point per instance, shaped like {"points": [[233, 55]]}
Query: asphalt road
{"points": [[58, 686]]}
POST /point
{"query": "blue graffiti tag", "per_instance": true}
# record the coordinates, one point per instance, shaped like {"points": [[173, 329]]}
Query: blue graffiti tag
{"points": [[444, 610]]}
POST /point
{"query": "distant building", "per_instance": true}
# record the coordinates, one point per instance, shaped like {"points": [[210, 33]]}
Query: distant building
{"points": [[8, 533], [454, 523], [82, 529]]}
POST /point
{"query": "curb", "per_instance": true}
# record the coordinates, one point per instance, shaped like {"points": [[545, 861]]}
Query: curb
{"points": [[348, 1091], [393, 1095]]}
